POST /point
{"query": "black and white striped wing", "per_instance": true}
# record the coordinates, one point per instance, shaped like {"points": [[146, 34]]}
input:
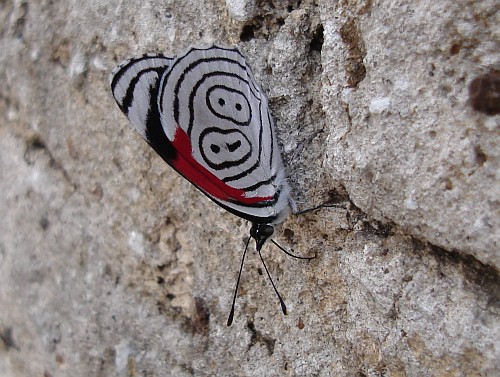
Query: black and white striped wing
{"points": [[134, 84], [212, 97], [205, 115]]}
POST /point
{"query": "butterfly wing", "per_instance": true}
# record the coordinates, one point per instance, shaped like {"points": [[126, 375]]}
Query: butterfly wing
{"points": [[205, 115], [134, 84]]}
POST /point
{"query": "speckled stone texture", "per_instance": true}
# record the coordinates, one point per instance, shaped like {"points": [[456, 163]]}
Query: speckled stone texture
{"points": [[111, 264]]}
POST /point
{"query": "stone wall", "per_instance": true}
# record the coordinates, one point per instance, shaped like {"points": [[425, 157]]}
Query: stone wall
{"points": [[111, 264]]}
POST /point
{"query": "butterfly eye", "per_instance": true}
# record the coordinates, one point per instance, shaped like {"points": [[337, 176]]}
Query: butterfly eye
{"points": [[222, 102], [261, 231], [238, 107], [267, 230]]}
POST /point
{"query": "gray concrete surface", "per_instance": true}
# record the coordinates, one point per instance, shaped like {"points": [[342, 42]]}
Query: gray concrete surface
{"points": [[113, 265]]}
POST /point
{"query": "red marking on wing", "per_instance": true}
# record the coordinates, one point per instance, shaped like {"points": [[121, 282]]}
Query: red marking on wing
{"points": [[201, 177]]}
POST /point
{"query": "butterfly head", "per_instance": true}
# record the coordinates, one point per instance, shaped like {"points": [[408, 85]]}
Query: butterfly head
{"points": [[260, 233]]}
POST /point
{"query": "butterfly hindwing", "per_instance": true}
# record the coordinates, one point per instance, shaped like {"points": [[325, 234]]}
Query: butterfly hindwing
{"points": [[211, 96]]}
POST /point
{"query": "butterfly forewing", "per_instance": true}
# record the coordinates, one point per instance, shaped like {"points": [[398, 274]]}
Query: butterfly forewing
{"points": [[205, 115], [135, 87]]}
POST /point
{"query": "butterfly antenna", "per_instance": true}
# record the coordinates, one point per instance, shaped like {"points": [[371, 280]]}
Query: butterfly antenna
{"points": [[290, 254], [321, 206], [282, 303], [231, 313]]}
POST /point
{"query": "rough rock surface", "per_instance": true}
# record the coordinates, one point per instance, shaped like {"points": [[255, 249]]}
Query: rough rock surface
{"points": [[113, 265]]}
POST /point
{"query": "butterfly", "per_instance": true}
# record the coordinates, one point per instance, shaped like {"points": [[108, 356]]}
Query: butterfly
{"points": [[205, 116]]}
